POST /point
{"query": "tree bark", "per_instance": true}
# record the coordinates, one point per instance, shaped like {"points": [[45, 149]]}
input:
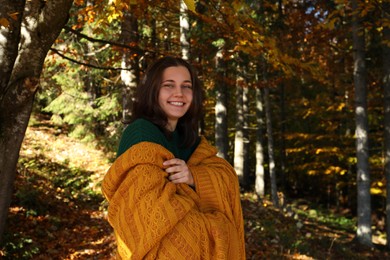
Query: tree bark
{"points": [[239, 134], [241, 141], [27, 41], [272, 168], [129, 78], [386, 86], [364, 232], [282, 145], [246, 146], [184, 28], [221, 124], [259, 181]]}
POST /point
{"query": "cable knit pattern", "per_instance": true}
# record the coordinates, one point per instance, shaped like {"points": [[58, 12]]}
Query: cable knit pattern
{"points": [[154, 218]]}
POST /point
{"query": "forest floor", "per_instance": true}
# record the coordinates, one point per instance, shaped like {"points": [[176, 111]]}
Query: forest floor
{"points": [[58, 211]]}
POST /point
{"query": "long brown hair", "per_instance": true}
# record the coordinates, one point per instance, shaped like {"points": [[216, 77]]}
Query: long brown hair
{"points": [[146, 103]]}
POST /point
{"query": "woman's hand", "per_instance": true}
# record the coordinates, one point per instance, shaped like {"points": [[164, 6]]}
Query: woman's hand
{"points": [[178, 171]]}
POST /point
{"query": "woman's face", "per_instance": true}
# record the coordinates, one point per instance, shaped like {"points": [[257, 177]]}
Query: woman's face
{"points": [[175, 94]]}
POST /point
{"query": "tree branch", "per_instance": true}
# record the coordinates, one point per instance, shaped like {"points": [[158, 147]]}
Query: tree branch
{"points": [[84, 63], [81, 35]]}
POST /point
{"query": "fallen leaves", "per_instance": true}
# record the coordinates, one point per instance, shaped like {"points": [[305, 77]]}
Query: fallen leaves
{"points": [[58, 212]]}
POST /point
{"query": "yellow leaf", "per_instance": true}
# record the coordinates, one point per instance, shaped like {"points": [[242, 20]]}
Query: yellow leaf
{"points": [[190, 4], [376, 191], [341, 106]]}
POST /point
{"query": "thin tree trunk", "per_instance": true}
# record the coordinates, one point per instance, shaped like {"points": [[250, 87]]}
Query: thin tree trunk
{"points": [[221, 124], [184, 28], [239, 135], [129, 78], [245, 110], [364, 232], [272, 168], [21, 67], [282, 145], [259, 181], [386, 86], [90, 87]]}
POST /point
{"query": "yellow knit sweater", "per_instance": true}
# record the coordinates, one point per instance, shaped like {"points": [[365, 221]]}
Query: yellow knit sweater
{"points": [[154, 218]]}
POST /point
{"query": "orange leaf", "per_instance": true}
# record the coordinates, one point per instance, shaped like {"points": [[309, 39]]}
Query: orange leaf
{"points": [[4, 22], [14, 15]]}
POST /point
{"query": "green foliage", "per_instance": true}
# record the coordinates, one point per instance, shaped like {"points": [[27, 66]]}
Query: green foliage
{"points": [[19, 247], [80, 105], [327, 218]]}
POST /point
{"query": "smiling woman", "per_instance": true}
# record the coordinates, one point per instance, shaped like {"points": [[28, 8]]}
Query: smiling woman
{"points": [[170, 196], [176, 94]]}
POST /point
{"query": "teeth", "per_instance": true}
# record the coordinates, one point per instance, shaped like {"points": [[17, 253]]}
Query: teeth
{"points": [[177, 103]]}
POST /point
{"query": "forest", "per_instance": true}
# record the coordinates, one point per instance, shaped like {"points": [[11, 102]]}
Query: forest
{"points": [[297, 100]]}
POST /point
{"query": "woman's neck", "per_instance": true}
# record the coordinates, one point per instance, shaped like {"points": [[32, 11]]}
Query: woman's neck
{"points": [[171, 126]]}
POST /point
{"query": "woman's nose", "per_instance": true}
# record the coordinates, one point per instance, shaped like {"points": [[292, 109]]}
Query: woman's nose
{"points": [[178, 91]]}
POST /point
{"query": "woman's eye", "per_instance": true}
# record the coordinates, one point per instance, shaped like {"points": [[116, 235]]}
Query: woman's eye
{"points": [[168, 86], [187, 86]]}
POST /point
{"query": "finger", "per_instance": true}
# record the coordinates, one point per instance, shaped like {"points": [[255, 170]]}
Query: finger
{"points": [[181, 178], [176, 176], [174, 169], [174, 161]]}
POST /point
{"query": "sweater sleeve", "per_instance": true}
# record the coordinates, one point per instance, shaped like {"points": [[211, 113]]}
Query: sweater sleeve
{"points": [[217, 185]]}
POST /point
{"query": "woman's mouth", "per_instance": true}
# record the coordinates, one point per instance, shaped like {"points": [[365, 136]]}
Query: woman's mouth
{"points": [[176, 103]]}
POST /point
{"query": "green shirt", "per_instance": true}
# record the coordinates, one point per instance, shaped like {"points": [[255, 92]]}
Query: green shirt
{"points": [[142, 130]]}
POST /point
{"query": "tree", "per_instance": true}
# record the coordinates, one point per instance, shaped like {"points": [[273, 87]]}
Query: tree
{"points": [[259, 171], [241, 142], [386, 87], [364, 232], [271, 156], [184, 28], [221, 105], [130, 77], [28, 28], [239, 130], [245, 130]]}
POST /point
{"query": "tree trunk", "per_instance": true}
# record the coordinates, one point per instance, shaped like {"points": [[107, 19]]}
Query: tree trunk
{"points": [[386, 86], [282, 144], [221, 105], [239, 134], [8, 54], [245, 110], [259, 181], [88, 80], [130, 74], [363, 176], [21, 65], [272, 168], [184, 28]]}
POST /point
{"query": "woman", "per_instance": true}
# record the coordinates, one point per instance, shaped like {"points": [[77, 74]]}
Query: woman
{"points": [[170, 196]]}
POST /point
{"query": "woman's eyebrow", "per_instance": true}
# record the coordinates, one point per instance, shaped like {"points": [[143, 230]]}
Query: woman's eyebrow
{"points": [[171, 80], [168, 80]]}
